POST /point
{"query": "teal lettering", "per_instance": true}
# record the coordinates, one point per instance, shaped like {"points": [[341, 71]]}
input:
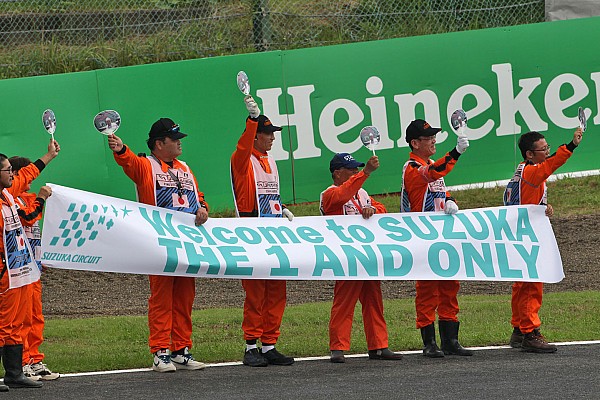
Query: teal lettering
{"points": [[530, 259], [474, 233], [232, 260], [390, 267], [247, 235], [326, 259], [190, 232], [500, 224], [361, 233], [432, 235], [524, 227], [338, 230], [220, 232], [158, 224], [309, 234], [172, 259], [368, 260], [280, 232], [204, 232], [483, 259], [448, 229], [435, 263], [504, 267], [284, 268], [195, 259], [391, 225]]}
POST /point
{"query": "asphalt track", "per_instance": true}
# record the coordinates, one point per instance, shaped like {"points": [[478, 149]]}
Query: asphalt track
{"points": [[492, 373]]}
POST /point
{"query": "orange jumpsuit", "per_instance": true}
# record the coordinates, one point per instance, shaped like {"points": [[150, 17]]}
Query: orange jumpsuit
{"points": [[30, 212], [15, 302], [265, 298], [528, 186], [417, 177], [171, 297], [347, 293]]}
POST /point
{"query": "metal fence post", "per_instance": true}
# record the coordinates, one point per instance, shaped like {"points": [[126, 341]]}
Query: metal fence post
{"points": [[261, 25]]}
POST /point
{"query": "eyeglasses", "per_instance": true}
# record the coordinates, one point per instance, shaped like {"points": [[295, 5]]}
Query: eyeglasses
{"points": [[545, 149], [9, 170], [426, 137]]}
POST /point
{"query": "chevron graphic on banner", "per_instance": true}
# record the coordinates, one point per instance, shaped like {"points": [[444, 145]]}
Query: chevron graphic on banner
{"points": [[86, 222]]}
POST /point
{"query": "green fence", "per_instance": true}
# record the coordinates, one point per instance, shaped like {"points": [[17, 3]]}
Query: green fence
{"points": [[39, 37]]}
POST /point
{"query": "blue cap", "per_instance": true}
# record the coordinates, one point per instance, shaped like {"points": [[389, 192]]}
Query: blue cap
{"points": [[344, 160]]}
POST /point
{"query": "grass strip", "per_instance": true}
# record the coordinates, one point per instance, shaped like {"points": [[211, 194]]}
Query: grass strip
{"points": [[109, 343]]}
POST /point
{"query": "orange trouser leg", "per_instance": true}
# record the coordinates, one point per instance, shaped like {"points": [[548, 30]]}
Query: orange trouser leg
{"points": [[263, 309], [530, 302], [426, 301], [253, 303], [27, 323], [33, 326], [515, 319], [184, 292], [437, 296], [168, 318], [372, 312], [274, 306], [345, 296], [13, 306], [36, 335], [448, 302]]}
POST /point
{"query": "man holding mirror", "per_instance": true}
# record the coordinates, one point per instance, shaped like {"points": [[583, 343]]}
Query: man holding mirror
{"points": [[163, 180], [423, 189], [16, 257], [30, 209], [255, 183], [347, 197]]}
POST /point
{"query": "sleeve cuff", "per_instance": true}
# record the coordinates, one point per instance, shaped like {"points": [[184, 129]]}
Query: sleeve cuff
{"points": [[39, 164], [454, 153]]}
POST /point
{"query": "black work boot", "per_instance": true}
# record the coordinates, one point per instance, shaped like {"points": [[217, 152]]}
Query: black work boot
{"points": [[449, 337], [3, 388], [430, 348], [13, 365]]}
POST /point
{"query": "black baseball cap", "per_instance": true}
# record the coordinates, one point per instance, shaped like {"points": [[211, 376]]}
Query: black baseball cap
{"points": [[419, 128], [265, 125], [165, 127], [344, 160]]}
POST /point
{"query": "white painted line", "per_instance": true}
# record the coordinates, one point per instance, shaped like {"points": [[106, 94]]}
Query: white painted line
{"points": [[235, 363]]}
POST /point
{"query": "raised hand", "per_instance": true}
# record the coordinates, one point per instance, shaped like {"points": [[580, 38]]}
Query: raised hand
{"points": [[251, 106]]}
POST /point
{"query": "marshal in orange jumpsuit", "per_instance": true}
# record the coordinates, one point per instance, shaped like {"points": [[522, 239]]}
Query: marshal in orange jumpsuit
{"points": [[30, 212], [265, 298], [431, 296], [424, 190], [171, 297], [345, 199], [528, 186], [15, 302]]}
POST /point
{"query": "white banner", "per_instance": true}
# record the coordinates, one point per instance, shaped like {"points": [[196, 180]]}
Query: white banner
{"points": [[87, 231]]}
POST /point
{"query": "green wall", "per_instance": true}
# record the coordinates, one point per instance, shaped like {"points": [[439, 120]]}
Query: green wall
{"points": [[348, 85]]}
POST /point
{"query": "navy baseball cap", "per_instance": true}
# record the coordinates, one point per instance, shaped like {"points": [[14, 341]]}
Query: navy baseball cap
{"points": [[344, 160]]}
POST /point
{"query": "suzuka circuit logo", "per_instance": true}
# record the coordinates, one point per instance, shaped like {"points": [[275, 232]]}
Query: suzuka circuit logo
{"points": [[84, 223]]}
